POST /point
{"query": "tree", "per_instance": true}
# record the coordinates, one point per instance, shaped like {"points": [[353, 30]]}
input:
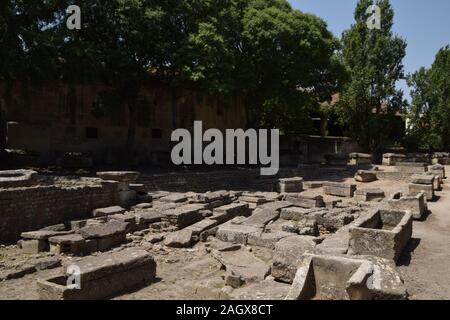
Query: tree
{"points": [[28, 50], [429, 114], [373, 57]]}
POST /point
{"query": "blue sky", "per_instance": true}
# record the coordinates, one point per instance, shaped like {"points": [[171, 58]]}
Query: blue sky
{"points": [[425, 24]]}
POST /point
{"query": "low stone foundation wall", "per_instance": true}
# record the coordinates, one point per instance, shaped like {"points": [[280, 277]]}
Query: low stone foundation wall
{"points": [[31, 208]]}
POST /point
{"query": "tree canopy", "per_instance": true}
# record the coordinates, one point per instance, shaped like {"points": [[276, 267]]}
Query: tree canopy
{"points": [[373, 57], [279, 59], [429, 114]]}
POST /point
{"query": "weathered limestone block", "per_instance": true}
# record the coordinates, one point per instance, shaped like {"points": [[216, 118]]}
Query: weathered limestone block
{"points": [[325, 277], [369, 194], [296, 214], [120, 176], [209, 197], [276, 206], [228, 212], [313, 184], [243, 265], [202, 226], [107, 235], [365, 176], [34, 246], [71, 243], [391, 159], [304, 201], [142, 206], [291, 185], [103, 212], [148, 216], [261, 217], [382, 233], [17, 178], [102, 276], [412, 167], [288, 252], [267, 239], [335, 219], [438, 170], [306, 226], [179, 239], [174, 197], [235, 233], [257, 201], [416, 204], [427, 190], [37, 241], [359, 158], [339, 189], [422, 179], [138, 187], [184, 216]]}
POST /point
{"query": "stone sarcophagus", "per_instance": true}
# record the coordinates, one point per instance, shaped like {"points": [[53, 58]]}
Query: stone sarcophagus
{"points": [[416, 204], [355, 159], [291, 185], [326, 277], [339, 189], [391, 159], [382, 233], [100, 276]]}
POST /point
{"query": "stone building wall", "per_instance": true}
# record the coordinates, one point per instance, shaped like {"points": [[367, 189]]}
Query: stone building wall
{"points": [[57, 118], [31, 208]]}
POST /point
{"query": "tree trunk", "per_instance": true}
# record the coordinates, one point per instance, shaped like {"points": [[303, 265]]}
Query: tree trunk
{"points": [[324, 126]]}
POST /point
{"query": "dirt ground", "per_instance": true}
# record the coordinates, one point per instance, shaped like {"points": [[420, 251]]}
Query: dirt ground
{"points": [[195, 274]]}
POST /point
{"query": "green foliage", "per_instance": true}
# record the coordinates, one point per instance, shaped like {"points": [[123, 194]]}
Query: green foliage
{"points": [[373, 58], [282, 61], [429, 114]]}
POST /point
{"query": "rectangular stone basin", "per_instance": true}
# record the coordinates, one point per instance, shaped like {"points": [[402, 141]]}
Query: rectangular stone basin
{"points": [[331, 278], [416, 204], [102, 276], [382, 233]]}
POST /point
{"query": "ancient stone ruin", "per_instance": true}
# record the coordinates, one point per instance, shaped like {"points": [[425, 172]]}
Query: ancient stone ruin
{"points": [[302, 236]]}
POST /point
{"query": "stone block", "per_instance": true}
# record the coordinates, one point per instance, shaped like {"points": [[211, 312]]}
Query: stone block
{"points": [[359, 158], [103, 212], [416, 204], [34, 246], [382, 233], [422, 179], [391, 159], [287, 254], [339, 189], [369, 194], [291, 185], [365, 176], [184, 216], [267, 239], [102, 276], [120, 176], [313, 184], [438, 170], [71, 243], [127, 199], [179, 239], [304, 201], [235, 233], [412, 167], [261, 217], [427, 190], [325, 277]]}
